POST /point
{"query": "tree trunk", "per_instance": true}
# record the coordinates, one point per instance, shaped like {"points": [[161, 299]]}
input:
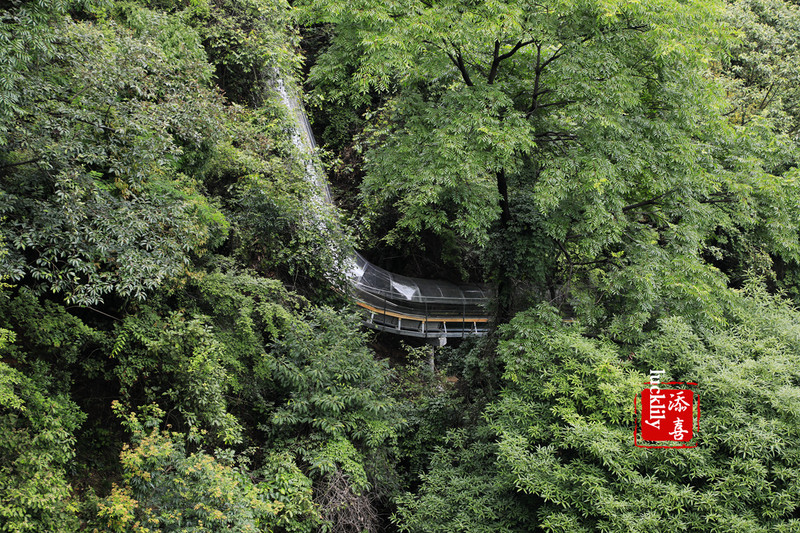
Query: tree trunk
{"points": [[503, 276], [502, 188]]}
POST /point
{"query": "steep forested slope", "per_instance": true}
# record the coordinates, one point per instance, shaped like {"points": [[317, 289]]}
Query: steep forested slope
{"points": [[172, 354], [153, 209]]}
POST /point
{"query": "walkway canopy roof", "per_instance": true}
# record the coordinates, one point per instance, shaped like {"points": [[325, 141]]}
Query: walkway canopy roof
{"points": [[365, 276]]}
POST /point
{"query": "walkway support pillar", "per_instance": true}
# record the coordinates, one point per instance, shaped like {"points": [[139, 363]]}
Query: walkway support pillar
{"points": [[434, 342]]}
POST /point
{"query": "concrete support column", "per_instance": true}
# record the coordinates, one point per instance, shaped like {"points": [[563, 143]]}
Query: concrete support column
{"points": [[433, 343]]}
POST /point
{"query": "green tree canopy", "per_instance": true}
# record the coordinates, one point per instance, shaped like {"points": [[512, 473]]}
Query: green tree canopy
{"points": [[564, 420], [585, 111], [93, 194]]}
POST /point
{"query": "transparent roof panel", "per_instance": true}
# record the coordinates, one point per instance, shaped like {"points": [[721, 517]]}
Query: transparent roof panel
{"points": [[371, 278]]}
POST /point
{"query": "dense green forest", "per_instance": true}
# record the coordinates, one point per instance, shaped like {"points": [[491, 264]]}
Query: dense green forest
{"points": [[177, 351]]}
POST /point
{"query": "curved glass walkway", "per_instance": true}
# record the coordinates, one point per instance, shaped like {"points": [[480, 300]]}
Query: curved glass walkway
{"points": [[391, 302]]}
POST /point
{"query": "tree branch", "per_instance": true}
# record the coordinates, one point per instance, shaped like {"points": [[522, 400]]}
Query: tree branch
{"points": [[9, 165], [560, 102], [520, 44], [538, 73], [463, 69], [552, 136], [766, 97], [650, 201], [497, 57], [495, 63], [721, 198], [458, 61], [538, 70], [539, 106], [89, 307], [558, 53]]}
